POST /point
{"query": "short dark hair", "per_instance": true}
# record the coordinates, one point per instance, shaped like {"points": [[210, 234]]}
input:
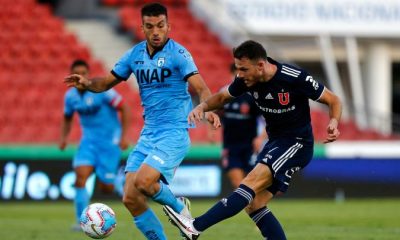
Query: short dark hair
{"points": [[250, 49], [154, 10], [232, 68], [79, 62]]}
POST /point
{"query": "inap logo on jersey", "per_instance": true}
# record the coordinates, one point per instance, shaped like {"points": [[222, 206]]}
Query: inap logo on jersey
{"points": [[160, 62], [283, 98], [148, 76]]}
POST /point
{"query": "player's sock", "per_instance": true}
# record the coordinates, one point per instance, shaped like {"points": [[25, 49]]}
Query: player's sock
{"points": [[165, 197], [150, 225], [267, 223], [225, 208], [81, 201]]}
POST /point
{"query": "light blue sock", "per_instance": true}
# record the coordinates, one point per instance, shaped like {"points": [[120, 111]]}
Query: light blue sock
{"points": [[149, 225], [81, 201], [166, 197]]}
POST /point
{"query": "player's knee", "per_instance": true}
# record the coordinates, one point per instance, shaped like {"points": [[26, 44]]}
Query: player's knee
{"points": [[80, 182], [134, 203], [251, 208], [107, 188], [144, 186]]}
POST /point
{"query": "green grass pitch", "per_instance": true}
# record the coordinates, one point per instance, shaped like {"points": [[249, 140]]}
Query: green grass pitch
{"points": [[364, 219]]}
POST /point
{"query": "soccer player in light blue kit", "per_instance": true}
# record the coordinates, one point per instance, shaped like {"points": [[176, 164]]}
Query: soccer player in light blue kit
{"points": [[163, 69], [102, 137]]}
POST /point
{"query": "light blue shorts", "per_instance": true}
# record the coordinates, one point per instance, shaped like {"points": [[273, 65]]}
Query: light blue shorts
{"points": [[105, 159], [162, 149]]}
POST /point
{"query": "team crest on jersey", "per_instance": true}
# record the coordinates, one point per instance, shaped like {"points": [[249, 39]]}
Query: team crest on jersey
{"points": [[160, 62], [255, 95], [89, 101], [283, 98]]}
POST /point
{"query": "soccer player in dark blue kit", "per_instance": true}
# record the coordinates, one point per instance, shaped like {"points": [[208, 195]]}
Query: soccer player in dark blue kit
{"points": [[241, 122], [282, 93]]}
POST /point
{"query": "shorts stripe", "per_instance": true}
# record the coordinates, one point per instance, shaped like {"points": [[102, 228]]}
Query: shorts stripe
{"points": [[286, 156], [294, 151]]}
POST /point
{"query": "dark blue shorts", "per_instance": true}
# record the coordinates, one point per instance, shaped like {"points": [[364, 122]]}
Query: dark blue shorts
{"points": [[237, 156], [285, 156]]}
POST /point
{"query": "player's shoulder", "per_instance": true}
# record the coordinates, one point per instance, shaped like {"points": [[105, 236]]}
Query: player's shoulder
{"points": [[137, 48], [110, 92], [71, 92], [289, 72], [176, 48]]}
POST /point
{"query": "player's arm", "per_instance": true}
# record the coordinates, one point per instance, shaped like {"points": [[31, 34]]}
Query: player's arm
{"points": [[98, 84], [214, 102], [198, 84], [335, 113], [125, 123], [65, 130]]}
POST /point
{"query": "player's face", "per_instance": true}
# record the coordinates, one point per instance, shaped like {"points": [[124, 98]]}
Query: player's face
{"points": [[81, 70], [249, 71], [156, 30]]}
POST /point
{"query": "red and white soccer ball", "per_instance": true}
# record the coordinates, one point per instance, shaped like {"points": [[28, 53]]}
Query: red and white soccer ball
{"points": [[98, 220]]}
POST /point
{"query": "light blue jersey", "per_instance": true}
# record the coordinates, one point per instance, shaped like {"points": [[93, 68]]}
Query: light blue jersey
{"points": [[162, 82], [101, 130], [97, 113], [162, 79]]}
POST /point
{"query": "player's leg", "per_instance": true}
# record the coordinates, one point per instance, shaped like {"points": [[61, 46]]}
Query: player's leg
{"points": [[232, 164], [143, 216], [83, 168], [107, 163], [170, 147], [284, 157], [256, 181], [235, 176], [264, 219], [81, 199]]}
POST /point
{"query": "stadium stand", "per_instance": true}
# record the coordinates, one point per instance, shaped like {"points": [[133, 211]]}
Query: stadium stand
{"points": [[35, 54], [36, 51]]}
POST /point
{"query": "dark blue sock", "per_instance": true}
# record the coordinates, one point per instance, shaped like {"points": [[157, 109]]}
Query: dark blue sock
{"points": [[225, 208], [269, 226]]}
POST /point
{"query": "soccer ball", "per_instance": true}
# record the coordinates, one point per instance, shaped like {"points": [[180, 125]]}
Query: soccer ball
{"points": [[98, 220]]}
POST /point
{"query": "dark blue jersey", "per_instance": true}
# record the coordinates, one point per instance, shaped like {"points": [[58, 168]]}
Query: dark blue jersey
{"points": [[239, 120], [283, 100]]}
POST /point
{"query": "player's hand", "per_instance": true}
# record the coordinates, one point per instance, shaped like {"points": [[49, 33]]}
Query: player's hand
{"points": [[77, 81], [196, 115], [124, 143], [213, 119], [333, 131], [62, 145]]}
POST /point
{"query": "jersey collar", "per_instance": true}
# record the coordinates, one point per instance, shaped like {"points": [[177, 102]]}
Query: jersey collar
{"points": [[156, 50]]}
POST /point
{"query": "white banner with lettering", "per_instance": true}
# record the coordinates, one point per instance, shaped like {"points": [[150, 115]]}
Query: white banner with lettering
{"points": [[369, 18]]}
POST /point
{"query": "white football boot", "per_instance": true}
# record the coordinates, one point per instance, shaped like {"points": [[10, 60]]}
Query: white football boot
{"points": [[184, 223]]}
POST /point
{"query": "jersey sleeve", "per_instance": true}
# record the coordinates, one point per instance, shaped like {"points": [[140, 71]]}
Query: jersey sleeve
{"points": [[309, 86], [68, 108], [185, 63], [113, 98], [122, 69], [237, 88]]}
